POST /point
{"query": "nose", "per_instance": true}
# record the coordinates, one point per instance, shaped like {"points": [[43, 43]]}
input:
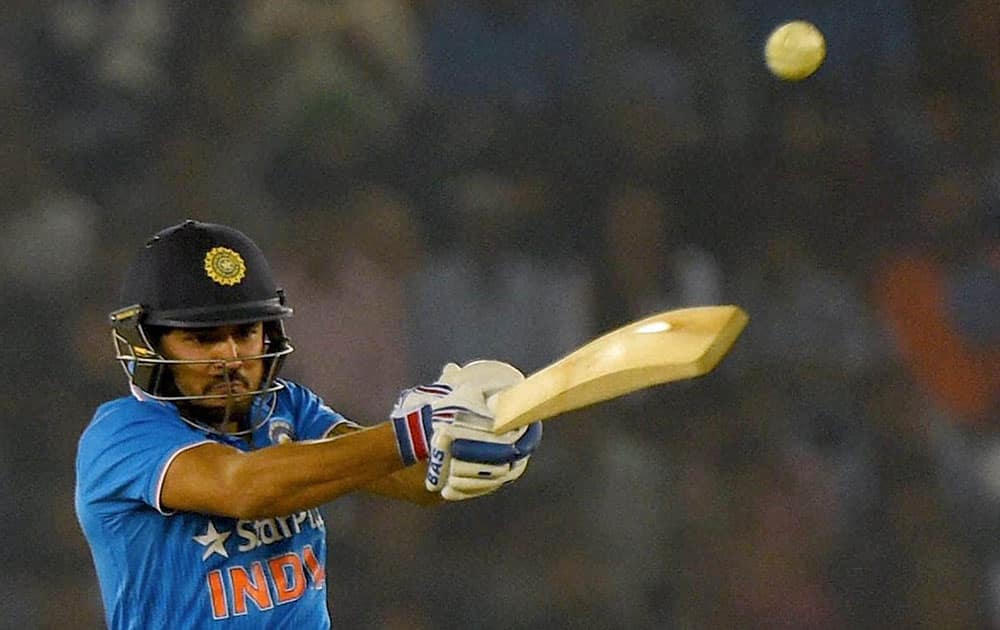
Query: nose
{"points": [[227, 350]]}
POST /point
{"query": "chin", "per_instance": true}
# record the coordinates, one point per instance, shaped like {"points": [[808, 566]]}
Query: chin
{"points": [[216, 413], [236, 403]]}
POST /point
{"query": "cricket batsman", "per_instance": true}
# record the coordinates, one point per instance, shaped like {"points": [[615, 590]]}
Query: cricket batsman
{"points": [[198, 493]]}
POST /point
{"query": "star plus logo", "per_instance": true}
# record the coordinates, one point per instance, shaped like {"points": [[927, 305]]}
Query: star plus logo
{"points": [[251, 534], [213, 541]]}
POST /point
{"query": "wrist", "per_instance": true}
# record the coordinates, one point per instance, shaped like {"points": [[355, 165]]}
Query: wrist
{"points": [[413, 434]]}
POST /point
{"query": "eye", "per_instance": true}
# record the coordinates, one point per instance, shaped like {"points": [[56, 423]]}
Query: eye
{"points": [[204, 337], [247, 331]]}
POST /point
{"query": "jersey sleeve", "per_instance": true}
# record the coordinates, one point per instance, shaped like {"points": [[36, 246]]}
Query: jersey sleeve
{"points": [[314, 418], [123, 457]]}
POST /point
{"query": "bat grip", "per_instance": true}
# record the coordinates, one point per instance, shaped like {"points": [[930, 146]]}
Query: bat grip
{"points": [[496, 453]]}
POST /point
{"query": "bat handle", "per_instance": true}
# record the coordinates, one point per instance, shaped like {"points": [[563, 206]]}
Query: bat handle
{"points": [[493, 404]]}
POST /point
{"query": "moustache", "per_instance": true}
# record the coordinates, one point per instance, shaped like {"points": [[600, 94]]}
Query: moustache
{"points": [[232, 378]]}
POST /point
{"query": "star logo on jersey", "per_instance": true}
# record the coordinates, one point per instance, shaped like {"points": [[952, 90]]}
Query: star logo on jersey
{"points": [[213, 541]]}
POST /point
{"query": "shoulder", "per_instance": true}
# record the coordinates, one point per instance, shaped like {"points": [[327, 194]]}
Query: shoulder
{"points": [[294, 390], [295, 397], [130, 405], [309, 413], [111, 415], [123, 453], [124, 418]]}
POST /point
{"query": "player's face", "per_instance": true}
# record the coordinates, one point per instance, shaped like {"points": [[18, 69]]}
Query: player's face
{"points": [[226, 371]]}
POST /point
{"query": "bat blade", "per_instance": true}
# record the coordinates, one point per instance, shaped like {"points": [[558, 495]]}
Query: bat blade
{"points": [[670, 346]]}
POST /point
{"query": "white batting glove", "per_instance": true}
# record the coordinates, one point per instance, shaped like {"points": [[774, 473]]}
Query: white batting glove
{"points": [[419, 408], [466, 459], [469, 462], [413, 417]]}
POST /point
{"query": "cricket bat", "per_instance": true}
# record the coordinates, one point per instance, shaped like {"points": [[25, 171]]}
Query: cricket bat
{"points": [[671, 346]]}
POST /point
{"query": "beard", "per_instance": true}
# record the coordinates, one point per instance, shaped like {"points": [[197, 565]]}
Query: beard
{"points": [[218, 412], [217, 417]]}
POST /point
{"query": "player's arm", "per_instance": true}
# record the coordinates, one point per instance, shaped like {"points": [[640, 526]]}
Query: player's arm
{"points": [[218, 479], [459, 396], [404, 485]]}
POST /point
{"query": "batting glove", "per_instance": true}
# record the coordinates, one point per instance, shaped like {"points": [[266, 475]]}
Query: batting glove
{"points": [[450, 420]]}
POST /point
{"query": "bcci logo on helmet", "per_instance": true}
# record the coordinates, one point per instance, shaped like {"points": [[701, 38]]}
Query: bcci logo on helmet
{"points": [[225, 266]]}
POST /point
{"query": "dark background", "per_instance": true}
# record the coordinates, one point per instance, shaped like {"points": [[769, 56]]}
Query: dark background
{"points": [[450, 180]]}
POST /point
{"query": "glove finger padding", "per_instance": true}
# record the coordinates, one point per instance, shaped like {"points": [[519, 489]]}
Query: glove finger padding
{"points": [[516, 470], [472, 486], [467, 462], [459, 489], [450, 494], [469, 477], [459, 469], [496, 449]]}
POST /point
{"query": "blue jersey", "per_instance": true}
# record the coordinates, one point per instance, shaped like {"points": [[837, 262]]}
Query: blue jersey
{"points": [[166, 570]]}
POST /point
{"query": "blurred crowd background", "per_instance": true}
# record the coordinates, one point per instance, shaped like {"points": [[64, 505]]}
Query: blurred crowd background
{"points": [[445, 180]]}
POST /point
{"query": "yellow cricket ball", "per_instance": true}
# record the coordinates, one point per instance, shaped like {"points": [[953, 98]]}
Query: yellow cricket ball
{"points": [[794, 50]]}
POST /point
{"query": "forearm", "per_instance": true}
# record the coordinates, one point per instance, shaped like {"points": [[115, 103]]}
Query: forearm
{"points": [[297, 476], [405, 485]]}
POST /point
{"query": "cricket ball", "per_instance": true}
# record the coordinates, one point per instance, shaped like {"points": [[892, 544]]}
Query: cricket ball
{"points": [[794, 50]]}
